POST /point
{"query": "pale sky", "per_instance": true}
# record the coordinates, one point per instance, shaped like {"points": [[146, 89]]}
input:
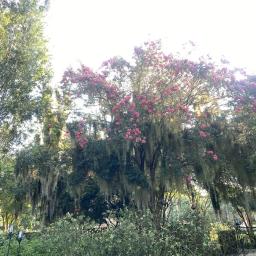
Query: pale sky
{"points": [[91, 31]]}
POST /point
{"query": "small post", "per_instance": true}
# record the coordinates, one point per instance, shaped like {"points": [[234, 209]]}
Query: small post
{"points": [[239, 240], [9, 236], [19, 239]]}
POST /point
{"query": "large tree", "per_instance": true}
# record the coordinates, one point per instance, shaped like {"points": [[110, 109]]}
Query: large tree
{"points": [[23, 63], [147, 127], [136, 140]]}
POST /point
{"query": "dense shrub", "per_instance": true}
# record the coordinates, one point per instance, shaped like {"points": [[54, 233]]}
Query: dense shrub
{"points": [[135, 235], [228, 241]]}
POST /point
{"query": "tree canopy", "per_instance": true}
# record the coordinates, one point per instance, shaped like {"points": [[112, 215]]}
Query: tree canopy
{"points": [[25, 70], [159, 121]]}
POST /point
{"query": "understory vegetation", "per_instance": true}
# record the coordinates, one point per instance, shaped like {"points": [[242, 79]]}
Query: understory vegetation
{"points": [[135, 234]]}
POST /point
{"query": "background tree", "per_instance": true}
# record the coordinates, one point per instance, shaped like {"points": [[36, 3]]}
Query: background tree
{"points": [[9, 190], [23, 63], [24, 76]]}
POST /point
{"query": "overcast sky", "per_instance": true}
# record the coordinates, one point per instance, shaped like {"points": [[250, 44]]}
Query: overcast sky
{"points": [[90, 31]]}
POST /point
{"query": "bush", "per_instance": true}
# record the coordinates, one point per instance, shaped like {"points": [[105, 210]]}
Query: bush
{"points": [[135, 235], [228, 241]]}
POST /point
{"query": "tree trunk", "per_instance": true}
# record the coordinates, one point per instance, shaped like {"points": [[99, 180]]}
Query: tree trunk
{"points": [[245, 215]]}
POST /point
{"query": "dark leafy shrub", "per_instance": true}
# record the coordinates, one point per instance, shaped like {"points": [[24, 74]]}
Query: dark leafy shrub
{"points": [[135, 234], [228, 241]]}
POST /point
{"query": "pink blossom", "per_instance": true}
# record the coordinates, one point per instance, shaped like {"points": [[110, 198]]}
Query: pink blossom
{"points": [[175, 88], [140, 97], [203, 126], [136, 114], [122, 102], [184, 108], [209, 152], [215, 157], [189, 179], [203, 134], [127, 97], [134, 135], [238, 109], [170, 110], [138, 139], [132, 106]]}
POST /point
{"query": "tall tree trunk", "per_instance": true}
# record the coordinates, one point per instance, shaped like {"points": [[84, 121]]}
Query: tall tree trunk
{"points": [[214, 195]]}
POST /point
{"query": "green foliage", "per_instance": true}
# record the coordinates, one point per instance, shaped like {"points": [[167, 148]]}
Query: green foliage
{"points": [[136, 234], [23, 64], [228, 241], [45, 176], [10, 192], [92, 202]]}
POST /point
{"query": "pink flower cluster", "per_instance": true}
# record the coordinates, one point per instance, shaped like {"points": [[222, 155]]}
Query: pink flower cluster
{"points": [[184, 108], [129, 111], [203, 134], [170, 90], [112, 92], [203, 126], [244, 96], [82, 75], [123, 111], [146, 104], [124, 104], [134, 135], [212, 155], [82, 141], [178, 66], [88, 82], [189, 180], [80, 138], [238, 109], [170, 110]]}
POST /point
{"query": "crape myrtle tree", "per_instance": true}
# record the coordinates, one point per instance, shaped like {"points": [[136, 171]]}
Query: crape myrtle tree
{"points": [[147, 115]]}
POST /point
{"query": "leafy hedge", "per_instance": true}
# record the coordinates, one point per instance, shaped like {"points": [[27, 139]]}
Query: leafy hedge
{"points": [[135, 235]]}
